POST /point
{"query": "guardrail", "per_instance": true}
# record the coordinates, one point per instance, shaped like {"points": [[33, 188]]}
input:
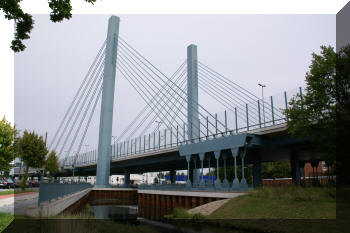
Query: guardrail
{"points": [[54, 191]]}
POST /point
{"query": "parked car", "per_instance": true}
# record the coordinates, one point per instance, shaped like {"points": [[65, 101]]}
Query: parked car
{"points": [[9, 183], [2, 185], [32, 183]]}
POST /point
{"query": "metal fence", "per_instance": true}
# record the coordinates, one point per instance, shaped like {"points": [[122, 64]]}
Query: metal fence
{"points": [[54, 191]]}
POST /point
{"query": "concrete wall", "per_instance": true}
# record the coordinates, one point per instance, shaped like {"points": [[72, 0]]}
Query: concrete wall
{"points": [[57, 206], [155, 206]]}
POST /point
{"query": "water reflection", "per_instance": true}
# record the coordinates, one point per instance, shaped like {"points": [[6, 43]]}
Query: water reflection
{"points": [[127, 214], [115, 212]]}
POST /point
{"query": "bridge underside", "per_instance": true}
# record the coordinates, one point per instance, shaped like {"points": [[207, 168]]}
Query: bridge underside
{"points": [[272, 147]]}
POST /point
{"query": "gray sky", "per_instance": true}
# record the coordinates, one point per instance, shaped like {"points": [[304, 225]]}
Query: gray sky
{"points": [[248, 49]]}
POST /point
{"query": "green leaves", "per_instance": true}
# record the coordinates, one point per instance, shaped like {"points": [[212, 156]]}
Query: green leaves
{"points": [[24, 25], [7, 153], [314, 113], [61, 9], [51, 163], [32, 149]]}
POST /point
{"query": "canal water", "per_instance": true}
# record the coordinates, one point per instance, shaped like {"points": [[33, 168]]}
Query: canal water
{"points": [[127, 214]]}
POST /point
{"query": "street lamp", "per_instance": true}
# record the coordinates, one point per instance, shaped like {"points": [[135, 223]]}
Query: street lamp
{"points": [[262, 98], [73, 167], [66, 152]]}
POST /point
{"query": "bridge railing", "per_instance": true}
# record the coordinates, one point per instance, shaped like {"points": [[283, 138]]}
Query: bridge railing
{"points": [[54, 191], [239, 119]]}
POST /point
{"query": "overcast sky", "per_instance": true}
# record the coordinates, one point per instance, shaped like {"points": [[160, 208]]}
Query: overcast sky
{"points": [[271, 49]]}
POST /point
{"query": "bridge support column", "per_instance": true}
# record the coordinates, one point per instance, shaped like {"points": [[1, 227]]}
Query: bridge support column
{"points": [[195, 172], [126, 178], [314, 164], [172, 176], [217, 181], [225, 182], [243, 185], [107, 102], [302, 169], [209, 181], [188, 183], [295, 168], [235, 182], [201, 157], [257, 172]]}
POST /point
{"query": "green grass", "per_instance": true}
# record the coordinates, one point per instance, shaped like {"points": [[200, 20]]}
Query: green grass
{"points": [[281, 203], [7, 192], [5, 220], [275, 209], [181, 213], [17, 191], [282, 209]]}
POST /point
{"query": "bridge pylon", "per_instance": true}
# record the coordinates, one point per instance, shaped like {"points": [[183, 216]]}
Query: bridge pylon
{"points": [[106, 116], [193, 124], [192, 93]]}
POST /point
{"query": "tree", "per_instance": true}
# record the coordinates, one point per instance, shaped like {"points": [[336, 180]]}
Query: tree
{"points": [[61, 9], [275, 170], [343, 115], [313, 114], [160, 175], [7, 153], [32, 151], [51, 163]]}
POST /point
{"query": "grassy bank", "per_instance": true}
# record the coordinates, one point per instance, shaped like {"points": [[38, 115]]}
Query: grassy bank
{"points": [[281, 203], [285, 210], [5, 220], [17, 191]]}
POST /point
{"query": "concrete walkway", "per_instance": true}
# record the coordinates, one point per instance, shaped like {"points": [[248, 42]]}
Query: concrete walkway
{"points": [[210, 207], [191, 193]]}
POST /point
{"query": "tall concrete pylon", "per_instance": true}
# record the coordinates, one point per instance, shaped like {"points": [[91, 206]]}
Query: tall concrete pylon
{"points": [[106, 116], [192, 93], [192, 103]]}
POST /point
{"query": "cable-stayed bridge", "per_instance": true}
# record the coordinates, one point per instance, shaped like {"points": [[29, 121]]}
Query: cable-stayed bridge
{"points": [[188, 137]]}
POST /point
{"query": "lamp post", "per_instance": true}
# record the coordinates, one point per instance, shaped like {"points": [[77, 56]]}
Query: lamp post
{"points": [[76, 154], [262, 98], [66, 152]]}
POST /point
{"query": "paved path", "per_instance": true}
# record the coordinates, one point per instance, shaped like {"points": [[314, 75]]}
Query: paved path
{"points": [[210, 207], [16, 195], [19, 203]]}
